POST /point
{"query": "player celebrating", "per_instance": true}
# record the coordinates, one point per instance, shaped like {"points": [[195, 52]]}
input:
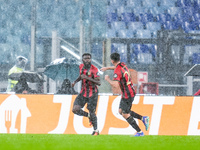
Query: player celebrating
{"points": [[89, 91], [122, 77]]}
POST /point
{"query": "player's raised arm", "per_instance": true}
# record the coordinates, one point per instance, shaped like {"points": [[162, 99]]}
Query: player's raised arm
{"points": [[107, 68]]}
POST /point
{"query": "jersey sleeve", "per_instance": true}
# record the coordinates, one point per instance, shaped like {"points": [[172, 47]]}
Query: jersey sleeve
{"points": [[116, 75], [96, 73]]}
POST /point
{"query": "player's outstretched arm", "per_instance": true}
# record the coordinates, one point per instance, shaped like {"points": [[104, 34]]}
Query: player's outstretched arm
{"points": [[107, 68]]}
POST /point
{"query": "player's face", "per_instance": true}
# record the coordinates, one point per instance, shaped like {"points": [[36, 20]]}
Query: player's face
{"points": [[87, 60]]}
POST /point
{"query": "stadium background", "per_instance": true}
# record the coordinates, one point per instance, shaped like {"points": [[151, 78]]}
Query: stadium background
{"points": [[157, 36]]}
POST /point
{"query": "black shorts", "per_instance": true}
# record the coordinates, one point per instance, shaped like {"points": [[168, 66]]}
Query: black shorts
{"points": [[91, 102], [126, 104]]}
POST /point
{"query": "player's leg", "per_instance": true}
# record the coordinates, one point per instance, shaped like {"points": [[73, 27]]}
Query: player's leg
{"points": [[135, 115], [132, 113], [124, 110], [92, 104], [131, 121], [145, 119], [78, 105], [93, 119]]}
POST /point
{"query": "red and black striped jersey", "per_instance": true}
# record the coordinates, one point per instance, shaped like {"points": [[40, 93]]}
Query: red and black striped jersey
{"points": [[88, 88], [121, 74]]}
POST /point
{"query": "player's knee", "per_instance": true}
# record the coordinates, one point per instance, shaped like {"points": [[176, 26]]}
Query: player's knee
{"points": [[125, 115], [75, 109], [120, 111], [92, 111]]}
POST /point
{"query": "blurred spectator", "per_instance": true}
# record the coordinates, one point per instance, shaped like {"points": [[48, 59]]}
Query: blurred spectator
{"points": [[22, 87], [17, 68], [66, 88]]}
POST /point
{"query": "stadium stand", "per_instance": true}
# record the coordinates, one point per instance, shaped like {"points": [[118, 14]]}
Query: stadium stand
{"points": [[112, 19]]}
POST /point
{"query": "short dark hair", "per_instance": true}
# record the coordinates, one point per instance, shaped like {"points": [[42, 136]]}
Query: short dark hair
{"points": [[115, 57], [87, 54]]}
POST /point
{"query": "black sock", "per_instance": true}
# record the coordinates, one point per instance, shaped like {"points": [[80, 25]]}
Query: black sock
{"points": [[133, 123], [93, 118], [80, 112], [135, 115]]}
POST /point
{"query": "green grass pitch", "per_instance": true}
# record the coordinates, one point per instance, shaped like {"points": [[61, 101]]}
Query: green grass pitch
{"points": [[101, 142]]}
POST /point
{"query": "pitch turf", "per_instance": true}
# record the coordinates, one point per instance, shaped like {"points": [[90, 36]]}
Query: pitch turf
{"points": [[101, 142]]}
